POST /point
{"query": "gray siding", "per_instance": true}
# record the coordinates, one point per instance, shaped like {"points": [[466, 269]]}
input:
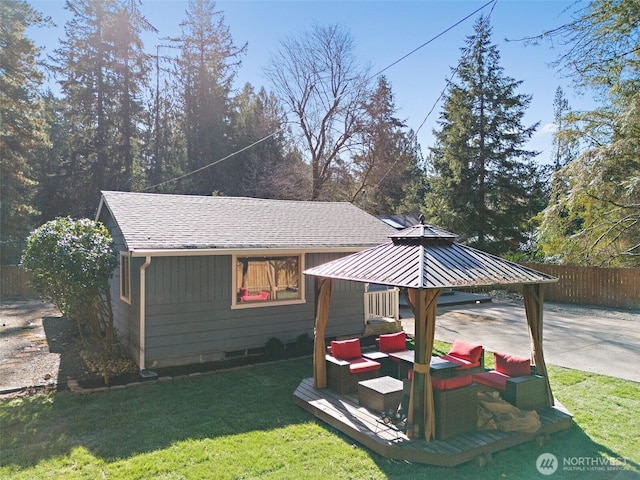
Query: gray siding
{"points": [[189, 317], [125, 316]]}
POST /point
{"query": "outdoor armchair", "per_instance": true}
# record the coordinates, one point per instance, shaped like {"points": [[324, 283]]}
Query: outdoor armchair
{"points": [[346, 366]]}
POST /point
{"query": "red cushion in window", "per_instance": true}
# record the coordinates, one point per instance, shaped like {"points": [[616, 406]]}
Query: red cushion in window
{"points": [[346, 349], [512, 365], [467, 351], [392, 342], [450, 383]]}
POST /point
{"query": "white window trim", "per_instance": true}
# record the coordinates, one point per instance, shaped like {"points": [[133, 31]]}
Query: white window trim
{"points": [[241, 305], [125, 276]]}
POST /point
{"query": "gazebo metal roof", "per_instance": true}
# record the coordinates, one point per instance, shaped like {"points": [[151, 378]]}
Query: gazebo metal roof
{"points": [[425, 256]]}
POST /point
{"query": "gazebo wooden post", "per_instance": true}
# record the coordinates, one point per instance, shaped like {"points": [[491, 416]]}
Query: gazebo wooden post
{"points": [[323, 302], [534, 308], [421, 406]]}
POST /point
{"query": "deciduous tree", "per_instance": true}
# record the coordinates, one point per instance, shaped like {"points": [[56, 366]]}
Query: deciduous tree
{"points": [[318, 78]]}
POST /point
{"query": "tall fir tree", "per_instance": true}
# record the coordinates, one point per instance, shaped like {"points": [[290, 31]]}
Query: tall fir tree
{"points": [[258, 116], [486, 185], [22, 127], [384, 174], [207, 65], [102, 71]]}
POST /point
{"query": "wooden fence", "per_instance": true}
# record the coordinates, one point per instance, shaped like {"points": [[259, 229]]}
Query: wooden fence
{"points": [[14, 282], [606, 287]]}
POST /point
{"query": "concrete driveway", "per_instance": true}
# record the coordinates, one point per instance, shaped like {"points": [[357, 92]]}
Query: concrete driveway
{"points": [[590, 339]]}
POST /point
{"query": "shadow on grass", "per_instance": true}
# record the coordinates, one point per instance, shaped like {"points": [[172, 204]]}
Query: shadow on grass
{"points": [[120, 423]]}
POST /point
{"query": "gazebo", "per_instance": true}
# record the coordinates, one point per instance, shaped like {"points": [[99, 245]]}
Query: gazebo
{"points": [[422, 261]]}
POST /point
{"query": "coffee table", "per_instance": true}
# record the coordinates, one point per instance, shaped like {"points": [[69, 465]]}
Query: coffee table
{"points": [[438, 367]]}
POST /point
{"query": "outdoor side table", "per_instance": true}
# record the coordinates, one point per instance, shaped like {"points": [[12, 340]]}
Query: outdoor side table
{"points": [[380, 394], [383, 359], [526, 393]]}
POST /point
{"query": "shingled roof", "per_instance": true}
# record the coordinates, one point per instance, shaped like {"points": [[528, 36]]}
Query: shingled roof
{"points": [[177, 222]]}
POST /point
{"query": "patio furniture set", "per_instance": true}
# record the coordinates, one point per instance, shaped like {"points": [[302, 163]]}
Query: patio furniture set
{"points": [[382, 380]]}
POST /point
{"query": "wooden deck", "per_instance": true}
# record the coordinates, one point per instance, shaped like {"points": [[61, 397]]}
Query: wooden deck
{"points": [[345, 414]]}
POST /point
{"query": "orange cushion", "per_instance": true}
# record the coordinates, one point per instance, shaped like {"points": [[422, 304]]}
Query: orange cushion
{"points": [[450, 383], [392, 342], [467, 351], [512, 365], [492, 379], [362, 365], [346, 349]]}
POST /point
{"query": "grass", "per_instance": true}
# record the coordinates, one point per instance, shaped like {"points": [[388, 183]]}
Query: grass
{"points": [[242, 424]]}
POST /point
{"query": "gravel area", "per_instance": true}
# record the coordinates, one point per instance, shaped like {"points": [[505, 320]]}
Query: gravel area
{"points": [[29, 333], [40, 349]]}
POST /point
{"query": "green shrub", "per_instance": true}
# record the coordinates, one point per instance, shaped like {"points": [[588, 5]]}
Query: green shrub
{"points": [[71, 262], [274, 348], [304, 344]]}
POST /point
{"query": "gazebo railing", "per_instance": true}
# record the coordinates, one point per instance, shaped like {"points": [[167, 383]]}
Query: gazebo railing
{"points": [[381, 304]]}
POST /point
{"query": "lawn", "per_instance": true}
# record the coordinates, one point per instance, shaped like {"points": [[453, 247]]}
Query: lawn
{"points": [[242, 424]]}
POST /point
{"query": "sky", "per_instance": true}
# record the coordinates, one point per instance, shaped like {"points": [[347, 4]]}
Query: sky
{"points": [[384, 32]]}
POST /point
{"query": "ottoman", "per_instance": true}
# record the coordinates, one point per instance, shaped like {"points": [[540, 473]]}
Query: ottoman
{"points": [[380, 394]]}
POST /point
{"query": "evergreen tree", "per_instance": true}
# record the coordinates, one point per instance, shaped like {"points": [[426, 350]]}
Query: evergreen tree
{"points": [[391, 160], [207, 65], [51, 165], [22, 129], [486, 186], [164, 148], [102, 69], [565, 145], [258, 117]]}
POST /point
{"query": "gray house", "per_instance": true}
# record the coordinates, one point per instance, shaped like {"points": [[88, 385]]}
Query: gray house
{"points": [[205, 279]]}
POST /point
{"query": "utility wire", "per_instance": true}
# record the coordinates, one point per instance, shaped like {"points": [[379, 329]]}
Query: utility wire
{"points": [[432, 39], [443, 91]]}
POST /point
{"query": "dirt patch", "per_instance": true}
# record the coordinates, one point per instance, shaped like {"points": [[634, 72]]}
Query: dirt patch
{"points": [[39, 348]]}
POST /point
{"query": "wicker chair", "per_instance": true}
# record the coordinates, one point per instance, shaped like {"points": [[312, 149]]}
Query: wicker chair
{"points": [[346, 366], [456, 410]]}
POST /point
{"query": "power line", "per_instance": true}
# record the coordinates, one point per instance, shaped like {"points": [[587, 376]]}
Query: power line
{"points": [[214, 163], [465, 53], [431, 40]]}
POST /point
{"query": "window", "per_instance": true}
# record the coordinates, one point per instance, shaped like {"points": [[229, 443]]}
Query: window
{"points": [[125, 277], [261, 280]]}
